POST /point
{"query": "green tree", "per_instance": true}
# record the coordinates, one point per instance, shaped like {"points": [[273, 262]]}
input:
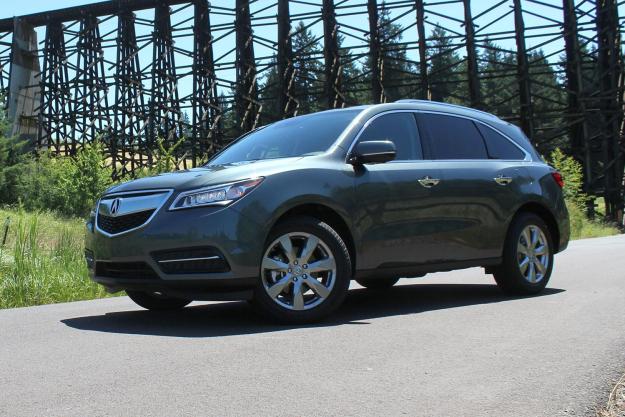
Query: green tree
{"points": [[498, 80], [549, 103], [308, 69], [398, 74], [444, 74]]}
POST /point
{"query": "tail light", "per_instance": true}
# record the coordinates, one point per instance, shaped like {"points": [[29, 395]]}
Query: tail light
{"points": [[558, 178]]}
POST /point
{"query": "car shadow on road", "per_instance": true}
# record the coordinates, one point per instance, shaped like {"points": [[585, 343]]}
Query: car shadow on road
{"points": [[238, 318]]}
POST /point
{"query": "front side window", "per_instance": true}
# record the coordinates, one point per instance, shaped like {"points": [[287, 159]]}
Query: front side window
{"points": [[312, 134], [452, 137], [399, 128]]}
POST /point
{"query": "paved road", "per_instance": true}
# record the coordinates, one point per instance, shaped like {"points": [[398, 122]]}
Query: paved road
{"points": [[446, 345]]}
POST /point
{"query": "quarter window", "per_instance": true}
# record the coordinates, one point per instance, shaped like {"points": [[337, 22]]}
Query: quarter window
{"points": [[399, 128], [452, 137], [498, 146]]}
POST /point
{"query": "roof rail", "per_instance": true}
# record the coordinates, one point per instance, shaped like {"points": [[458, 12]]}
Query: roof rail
{"points": [[440, 103]]}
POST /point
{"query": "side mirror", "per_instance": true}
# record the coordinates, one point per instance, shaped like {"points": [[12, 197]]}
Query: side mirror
{"points": [[372, 152]]}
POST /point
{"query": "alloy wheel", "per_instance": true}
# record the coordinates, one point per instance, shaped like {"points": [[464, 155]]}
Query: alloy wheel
{"points": [[298, 271], [533, 254]]}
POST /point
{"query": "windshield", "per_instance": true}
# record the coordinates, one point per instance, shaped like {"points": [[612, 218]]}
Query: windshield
{"points": [[312, 134]]}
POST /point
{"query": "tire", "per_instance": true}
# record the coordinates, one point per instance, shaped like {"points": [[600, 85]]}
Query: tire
{"points": [[511, 276], [155, 302], [288, 289], [377, 283]]}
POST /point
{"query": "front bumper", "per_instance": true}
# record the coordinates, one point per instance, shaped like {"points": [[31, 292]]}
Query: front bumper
{"points": [[134, 257]]}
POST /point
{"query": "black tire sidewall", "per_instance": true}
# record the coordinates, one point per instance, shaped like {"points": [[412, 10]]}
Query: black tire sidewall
{"points": [[508, 276], [331, 238]]}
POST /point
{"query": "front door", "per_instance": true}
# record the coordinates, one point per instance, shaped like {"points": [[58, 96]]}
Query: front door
{"points": [[397, 216]]}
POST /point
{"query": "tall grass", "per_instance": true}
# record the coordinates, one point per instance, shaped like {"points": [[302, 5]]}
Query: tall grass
{"points": [[42, 261], [583, 228]]}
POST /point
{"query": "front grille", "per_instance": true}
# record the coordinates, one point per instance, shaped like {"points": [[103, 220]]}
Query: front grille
{"points": [[203, 260], [125, 270], [119, 224]]}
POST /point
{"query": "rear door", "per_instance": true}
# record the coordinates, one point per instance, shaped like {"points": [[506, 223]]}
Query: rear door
{"points": [[397, 217], [480, 184]]}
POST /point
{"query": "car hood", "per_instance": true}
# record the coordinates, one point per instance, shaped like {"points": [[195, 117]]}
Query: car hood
{"points": [[205, 176]]}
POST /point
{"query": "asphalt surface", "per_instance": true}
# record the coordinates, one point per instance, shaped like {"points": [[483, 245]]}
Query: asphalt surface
{"points": [[446, 345]]}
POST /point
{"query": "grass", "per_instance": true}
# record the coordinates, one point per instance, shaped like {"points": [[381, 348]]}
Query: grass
{"points": [[582, 228], [42, 260], [616, 401]]}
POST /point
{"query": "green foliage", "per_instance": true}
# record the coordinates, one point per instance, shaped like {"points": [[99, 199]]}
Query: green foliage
{"points": [[443, 60], [164, 158], [42, 261], [576, 199], [69, 185], [572, 173]]}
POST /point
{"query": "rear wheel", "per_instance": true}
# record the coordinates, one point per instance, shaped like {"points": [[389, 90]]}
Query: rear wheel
{"points": [[156, 301], [528, 257], [305, 271], [377, 283]]}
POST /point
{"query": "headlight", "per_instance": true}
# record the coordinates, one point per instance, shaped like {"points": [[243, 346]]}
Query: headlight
{"points": [[216, 195]]}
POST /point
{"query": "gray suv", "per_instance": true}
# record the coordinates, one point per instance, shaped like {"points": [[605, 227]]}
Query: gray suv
{"points": [[287, 215]]}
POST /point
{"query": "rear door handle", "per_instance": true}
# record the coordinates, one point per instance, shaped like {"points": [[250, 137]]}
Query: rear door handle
{"points": [[429, 182], [501, 180]]}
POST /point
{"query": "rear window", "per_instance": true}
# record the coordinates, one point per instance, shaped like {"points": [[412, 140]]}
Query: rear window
{"points": [[498, 146], [452, 137]]}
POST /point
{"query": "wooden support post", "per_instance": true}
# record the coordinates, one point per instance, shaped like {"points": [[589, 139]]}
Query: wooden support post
{"points": [[375, 53], [333, 69], [525, 92], [423, 57], [246, 101], [475, 95], [609, 64], [286, 72], [206, 109]]}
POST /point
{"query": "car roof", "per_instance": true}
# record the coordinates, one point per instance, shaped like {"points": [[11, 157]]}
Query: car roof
{"points": [[414, 104]]}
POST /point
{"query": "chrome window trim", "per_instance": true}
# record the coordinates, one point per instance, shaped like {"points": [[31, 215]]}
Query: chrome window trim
{"points": [[528, 157], [169, 192]]}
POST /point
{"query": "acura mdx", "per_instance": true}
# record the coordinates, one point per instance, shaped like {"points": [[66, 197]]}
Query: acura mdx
{"points": [[288, 214]]}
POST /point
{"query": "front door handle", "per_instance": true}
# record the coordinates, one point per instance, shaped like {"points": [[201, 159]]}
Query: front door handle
{"points": [[501, 180], [429, 182]]}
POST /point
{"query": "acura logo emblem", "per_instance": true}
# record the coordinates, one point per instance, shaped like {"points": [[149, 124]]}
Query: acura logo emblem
{"points": [[115, 206]]}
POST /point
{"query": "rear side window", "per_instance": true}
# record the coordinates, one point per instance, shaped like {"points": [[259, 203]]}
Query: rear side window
{"points": [[399, 128], [452, 137], [498, 146]]}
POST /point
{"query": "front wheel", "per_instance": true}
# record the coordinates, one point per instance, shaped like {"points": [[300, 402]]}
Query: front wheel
{"points": [[305, 271], [527, 258], [156, 302]]}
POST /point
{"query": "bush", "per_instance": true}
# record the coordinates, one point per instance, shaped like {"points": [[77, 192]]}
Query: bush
{"points": [[572, 173], [69, 186], [164, 159], [576, 199]]}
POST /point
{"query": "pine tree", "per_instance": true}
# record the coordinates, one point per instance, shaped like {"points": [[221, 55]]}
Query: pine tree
{"points": [[308, 83], [398, 74], [444, 74], [498, 80]]}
